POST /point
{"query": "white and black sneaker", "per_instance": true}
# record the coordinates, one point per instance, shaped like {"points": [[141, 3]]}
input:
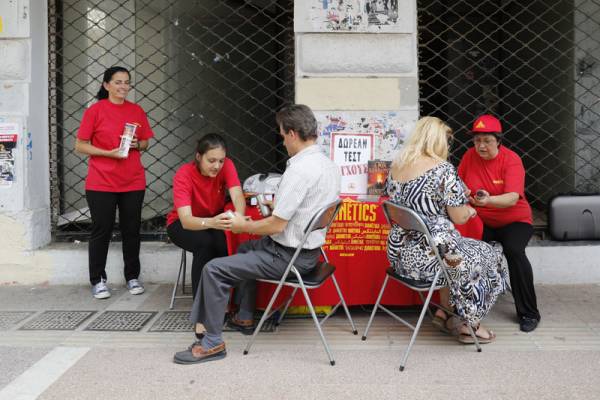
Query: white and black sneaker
{"points": [[100, 290], [135, 287]]}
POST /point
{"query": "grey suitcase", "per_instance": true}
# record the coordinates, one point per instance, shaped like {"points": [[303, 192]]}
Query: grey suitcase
{"points": [[574, 217]]}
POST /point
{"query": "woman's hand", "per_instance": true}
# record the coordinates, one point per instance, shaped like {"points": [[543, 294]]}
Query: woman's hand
{"points": [[481, 198], [221, 222], [115, 153], [85, 147], [134, 143]]}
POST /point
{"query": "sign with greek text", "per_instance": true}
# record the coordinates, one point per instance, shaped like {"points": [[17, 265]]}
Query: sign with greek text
{"points": [[352, 152]]}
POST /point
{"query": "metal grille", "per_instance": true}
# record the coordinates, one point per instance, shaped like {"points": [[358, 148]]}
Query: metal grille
{"points": [[536, 65], [197, 66], [57, 320], [8, 319], [179, 321], [121, 321], [173, 321]]}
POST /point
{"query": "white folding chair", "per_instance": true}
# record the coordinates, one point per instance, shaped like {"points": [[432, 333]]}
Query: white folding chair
{"points": [[180, 278], [313, 280], [407, 219]]}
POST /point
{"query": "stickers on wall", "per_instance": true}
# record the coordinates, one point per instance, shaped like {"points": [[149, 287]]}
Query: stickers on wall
{"points": [[9, 133], [360, 15], [390, 129]]}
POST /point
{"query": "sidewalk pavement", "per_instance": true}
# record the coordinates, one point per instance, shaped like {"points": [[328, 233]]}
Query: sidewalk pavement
{"points": [[559, 360]]}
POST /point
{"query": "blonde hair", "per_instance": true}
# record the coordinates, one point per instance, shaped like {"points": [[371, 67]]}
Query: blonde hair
{"points": [[429, 138]]}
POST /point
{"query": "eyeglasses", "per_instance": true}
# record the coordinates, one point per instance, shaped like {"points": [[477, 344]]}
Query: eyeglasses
{"points": [[486, 141]]}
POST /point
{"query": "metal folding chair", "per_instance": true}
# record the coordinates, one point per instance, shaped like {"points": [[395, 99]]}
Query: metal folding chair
{"points": [[407, 219], [323, 270], [180, 278]]}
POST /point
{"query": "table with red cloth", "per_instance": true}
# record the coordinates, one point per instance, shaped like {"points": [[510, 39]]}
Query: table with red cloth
{"points": [[356, 246]]}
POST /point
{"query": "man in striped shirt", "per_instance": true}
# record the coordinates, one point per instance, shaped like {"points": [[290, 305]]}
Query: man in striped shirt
{"points": [[310, 181]]}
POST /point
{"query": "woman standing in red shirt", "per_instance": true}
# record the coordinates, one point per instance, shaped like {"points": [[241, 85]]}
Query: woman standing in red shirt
{"points": [[113, 180], [495, 178], [197, 221]]}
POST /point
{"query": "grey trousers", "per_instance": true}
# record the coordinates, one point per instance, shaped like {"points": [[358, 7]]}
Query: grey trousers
{"points": [[262, 258]]}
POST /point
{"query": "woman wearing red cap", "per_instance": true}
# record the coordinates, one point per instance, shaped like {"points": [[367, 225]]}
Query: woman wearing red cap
{"points": [[495, 179]]}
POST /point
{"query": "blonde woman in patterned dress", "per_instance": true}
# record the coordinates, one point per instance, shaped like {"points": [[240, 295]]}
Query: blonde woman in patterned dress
{"points": [[423, 180]]}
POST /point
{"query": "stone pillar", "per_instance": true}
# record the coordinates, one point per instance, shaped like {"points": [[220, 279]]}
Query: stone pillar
{"points": [[356, 67], [24, 190]]}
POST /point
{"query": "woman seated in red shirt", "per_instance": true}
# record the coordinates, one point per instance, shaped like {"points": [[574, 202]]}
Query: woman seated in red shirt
{"points": [[197, 221], [495, 178]]}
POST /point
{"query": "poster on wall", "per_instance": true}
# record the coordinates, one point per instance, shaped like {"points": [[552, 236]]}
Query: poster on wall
{"points": [[352, 152], [360, 15], [8, 143], [390, 129]]}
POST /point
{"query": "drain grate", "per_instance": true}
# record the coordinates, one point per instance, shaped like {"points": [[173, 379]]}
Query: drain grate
{"points": [[57, 320], [128, 321], [8, 319], [173, 321], [179, 321]]}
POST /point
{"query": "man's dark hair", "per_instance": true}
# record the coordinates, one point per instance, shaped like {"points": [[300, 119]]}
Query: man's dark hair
{"points": [[299, 118], [108, 74], [210, 141]]}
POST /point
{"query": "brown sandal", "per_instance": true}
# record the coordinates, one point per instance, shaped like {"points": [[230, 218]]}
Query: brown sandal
{"points": [[466, 338]]}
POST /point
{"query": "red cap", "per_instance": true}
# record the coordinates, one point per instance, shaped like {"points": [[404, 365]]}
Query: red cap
{"points": [[487, 124]]}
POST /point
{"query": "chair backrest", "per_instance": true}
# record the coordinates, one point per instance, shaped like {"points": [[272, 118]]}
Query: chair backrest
{"points": [[324, 217], [404, 217], [410, 220]]}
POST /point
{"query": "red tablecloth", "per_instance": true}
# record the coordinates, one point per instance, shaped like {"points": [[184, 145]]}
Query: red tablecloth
{"points": [[356, 246]]}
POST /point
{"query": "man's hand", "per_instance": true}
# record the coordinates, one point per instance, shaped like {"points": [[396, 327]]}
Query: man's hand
{"points": [[239, 223]]}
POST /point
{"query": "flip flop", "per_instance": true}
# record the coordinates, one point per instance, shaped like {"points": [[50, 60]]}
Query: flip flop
{"points": [[466, 338]]}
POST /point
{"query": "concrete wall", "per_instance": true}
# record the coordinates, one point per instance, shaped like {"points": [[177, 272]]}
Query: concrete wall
{"points": [[24, 205]]}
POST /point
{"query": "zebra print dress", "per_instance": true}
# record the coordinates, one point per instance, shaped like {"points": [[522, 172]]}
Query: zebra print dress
{"points": [[476, 269]]}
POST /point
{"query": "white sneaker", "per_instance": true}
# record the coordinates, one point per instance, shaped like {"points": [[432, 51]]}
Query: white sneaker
{"points": [[135, 287], [100, 290]]}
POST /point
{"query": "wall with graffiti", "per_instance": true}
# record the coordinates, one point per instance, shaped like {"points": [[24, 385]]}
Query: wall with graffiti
{"points": [[390, 129], [356, 15]]}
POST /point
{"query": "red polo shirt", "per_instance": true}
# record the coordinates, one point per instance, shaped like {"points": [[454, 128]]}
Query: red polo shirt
{"points": [[102, 124], [503, 174], [204, 194]]}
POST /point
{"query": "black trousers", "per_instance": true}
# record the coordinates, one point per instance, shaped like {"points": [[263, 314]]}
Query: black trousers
{"points": [[514, 238], [103, 207], [204, 245]]}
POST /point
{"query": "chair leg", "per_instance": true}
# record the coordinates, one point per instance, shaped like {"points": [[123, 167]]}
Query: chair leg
{"points": [[337, 287], [263, 318], [423, 301], [184, 264], [316, 321], [181, 269], [287, 305], [417, 327], [376, 306], [474, 336]]}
